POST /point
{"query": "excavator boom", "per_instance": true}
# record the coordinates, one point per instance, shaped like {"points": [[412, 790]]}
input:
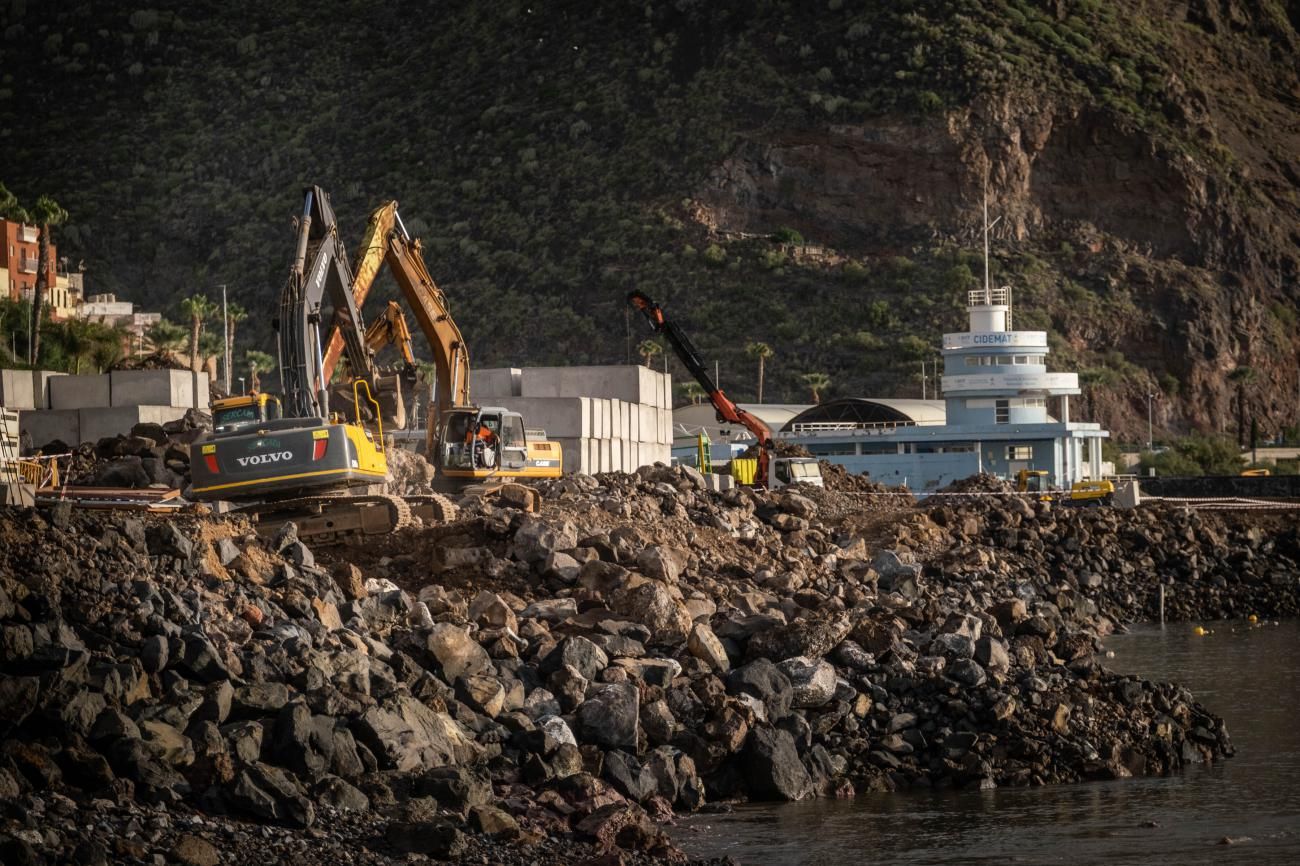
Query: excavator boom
{"points": [[727, 410]]}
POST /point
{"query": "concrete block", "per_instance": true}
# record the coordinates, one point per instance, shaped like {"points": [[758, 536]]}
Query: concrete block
{"points": [[38, 427], [632, 383], [666, 426], [203, 390], [633, 432], [567, 417], [616, 419], [80, 392], [647, 425], [96, 423], [666, 397], [16, 390], [152, 388], [495, 382], [41, 387]]}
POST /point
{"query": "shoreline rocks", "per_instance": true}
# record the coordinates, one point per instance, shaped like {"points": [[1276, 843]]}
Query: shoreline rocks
{"points": [[554, 685]]}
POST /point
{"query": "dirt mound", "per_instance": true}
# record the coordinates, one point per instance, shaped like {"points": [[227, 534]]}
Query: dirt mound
{"points": [[982, 483]]}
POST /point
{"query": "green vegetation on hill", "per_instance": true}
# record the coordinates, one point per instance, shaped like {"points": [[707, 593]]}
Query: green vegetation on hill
{"points": [[552, 155]]}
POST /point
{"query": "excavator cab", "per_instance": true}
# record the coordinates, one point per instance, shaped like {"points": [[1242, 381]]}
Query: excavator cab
{"points": [[1033, 481], [477, 443], [245, 411]]}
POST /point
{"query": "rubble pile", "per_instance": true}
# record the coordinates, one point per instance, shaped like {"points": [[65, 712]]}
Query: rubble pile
{"points": [[549, 687], [152, 455]]}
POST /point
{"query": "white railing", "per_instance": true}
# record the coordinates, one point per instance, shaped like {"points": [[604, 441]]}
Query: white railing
{"points": [[28, 234], [873, 428], [982, 297], [28, 266]]}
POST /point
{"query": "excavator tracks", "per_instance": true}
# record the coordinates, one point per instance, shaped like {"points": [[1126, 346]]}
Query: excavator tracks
{"points": [[331, 519], [433, 508]]}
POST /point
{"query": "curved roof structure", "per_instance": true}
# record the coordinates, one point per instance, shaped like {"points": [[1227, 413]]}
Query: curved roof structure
{"points": [[690, 420], [862, 412]]}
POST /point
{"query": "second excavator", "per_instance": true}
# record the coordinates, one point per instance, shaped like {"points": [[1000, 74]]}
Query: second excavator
{"points": [[467, 444]]}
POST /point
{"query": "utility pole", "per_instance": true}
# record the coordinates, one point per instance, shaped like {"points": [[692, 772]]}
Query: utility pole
{"points": [[225, 336], [922, 380]]}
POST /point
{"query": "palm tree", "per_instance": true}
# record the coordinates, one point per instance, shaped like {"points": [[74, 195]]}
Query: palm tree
{"points": [[77, 338], [166, 336], [761, 351], [46, 213], [1243, 376], [693, 391], [107, 349], [234, 315], [648, 350], [816, 382], [257, 362], [210, 349], [199, 309]]}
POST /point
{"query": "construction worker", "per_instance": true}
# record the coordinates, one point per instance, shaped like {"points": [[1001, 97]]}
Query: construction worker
{"points": [[483, 444]]}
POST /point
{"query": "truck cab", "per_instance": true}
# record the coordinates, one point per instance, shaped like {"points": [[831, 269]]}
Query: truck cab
{"points": [[795, 470]]}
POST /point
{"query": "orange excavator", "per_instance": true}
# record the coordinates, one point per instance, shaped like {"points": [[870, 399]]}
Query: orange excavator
{"points": [[466, 443], [772, 472]]}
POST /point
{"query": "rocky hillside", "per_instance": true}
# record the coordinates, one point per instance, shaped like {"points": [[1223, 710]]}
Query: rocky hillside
{"points": [[809, 179]]}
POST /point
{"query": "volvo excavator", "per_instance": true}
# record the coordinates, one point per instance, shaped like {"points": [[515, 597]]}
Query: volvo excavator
{"points": [[310, 456], [468, 445], [772, 472]]}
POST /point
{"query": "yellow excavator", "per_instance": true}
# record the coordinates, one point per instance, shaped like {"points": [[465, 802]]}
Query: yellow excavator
{"points": [[300, 457], [466, 443]]}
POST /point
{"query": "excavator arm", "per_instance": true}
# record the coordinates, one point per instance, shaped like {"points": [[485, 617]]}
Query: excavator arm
{"points": [[386, 240], [726, 409], [391, 329], [320, 271]]}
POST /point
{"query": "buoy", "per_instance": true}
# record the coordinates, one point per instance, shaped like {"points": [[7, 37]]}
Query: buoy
{"points": [[1252, 619], [1198, 631]]}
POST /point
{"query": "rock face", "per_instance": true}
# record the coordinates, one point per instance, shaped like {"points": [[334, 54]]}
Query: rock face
{"points": [[444, 710]]}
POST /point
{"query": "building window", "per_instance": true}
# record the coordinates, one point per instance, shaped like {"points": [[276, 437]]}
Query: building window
{"points": [[972, 361], [1020, 452], [1001, 412], [1004, 360], [1022, 359], [1036, 402]]}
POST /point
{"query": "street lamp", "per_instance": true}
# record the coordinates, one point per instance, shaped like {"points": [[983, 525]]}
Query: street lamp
{"points": [[241, 384], [1150, 397]]}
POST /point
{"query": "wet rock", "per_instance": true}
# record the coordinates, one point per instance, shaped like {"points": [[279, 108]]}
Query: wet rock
{"points": [[772, 766]]}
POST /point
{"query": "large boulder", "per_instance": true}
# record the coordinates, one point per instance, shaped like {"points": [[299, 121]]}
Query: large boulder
{"points": [[772, 767], [457, 652], [663, 562], [653, 605], [764, 681], [800, 638], [404, 734], [536, 538], [705, 646], [811, 680], [611, 715]]}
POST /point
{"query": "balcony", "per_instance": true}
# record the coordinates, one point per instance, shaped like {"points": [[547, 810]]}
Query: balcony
{"points": [[28, 234], [28, 266]]}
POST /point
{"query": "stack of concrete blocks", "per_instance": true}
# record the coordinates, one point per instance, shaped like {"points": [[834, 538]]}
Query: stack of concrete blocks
{"points": [[606, 419], [77, 409]]}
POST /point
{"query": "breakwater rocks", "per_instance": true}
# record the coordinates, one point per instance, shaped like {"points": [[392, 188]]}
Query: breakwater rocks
{"points": [[550, 687]]}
